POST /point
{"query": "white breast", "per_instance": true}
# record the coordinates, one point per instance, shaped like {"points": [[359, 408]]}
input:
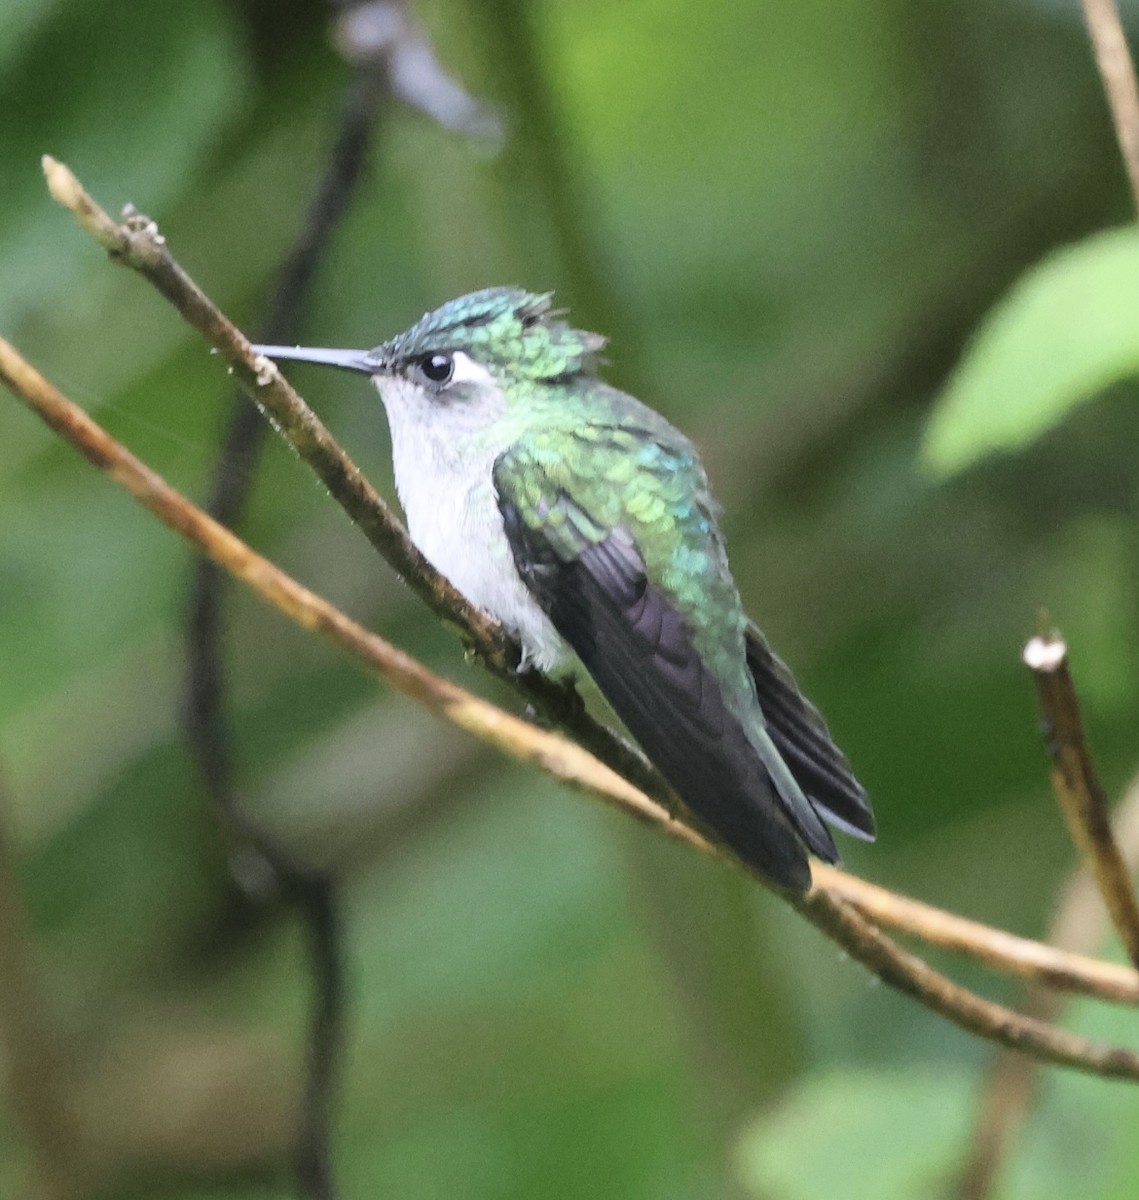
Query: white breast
{"points": [[443, 463]]}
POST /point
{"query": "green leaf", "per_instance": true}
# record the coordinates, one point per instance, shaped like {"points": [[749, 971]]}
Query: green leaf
{"points": [[1067, 330]]}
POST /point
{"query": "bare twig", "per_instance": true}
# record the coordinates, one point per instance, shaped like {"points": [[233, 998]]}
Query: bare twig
{"points": [[518, 738], [1079, 926], [35, 1081], [1032, 961], [526, 743], [138, 244], [1077, 787], [1117, 70], [994, 1022]]}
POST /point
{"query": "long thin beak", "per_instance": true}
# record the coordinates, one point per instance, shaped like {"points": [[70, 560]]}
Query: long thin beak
{"points": [[346, 360]]}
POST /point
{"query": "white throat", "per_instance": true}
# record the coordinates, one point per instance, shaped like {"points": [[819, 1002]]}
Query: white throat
{"points": [[443, 454]]}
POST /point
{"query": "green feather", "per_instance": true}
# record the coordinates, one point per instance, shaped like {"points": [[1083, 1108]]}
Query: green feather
{"points": [[656, 489], [508, 328]]}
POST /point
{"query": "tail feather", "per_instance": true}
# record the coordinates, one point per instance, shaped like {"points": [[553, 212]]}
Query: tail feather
{"points": [[804, 742]]}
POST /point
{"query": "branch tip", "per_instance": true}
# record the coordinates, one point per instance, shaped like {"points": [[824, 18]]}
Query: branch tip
{"points": [[1045, 653], [61, 183], [1077, 786], [66, 190]]}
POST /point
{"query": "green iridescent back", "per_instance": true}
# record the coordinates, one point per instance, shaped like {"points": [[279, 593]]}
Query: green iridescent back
{"points": [[625, 466]]}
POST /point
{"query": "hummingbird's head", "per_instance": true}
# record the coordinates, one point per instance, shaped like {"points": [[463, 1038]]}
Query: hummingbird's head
{"points": [[509, 333], [486, 341]]}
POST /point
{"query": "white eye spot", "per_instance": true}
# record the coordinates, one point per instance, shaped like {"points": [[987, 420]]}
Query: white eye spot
{"points": [[469, 371]]}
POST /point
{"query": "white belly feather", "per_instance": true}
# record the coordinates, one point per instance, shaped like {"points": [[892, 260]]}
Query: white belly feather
{"points": [[447, 492]]}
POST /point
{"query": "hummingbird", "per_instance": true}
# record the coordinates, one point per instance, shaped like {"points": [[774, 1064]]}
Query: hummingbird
{"points": [[583, 521]]}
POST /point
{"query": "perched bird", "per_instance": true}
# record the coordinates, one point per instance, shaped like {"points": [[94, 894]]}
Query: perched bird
{"points": [[582, 520]]}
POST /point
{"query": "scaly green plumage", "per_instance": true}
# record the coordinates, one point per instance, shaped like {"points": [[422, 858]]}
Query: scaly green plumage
{"points": [[625, 466], [507, 328]]}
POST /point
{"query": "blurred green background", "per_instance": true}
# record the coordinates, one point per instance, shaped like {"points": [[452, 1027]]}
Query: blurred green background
{"points": [[791, 219]]}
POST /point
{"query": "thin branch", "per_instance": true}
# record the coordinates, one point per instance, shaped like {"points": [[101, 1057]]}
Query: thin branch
{"points": [[35, 1080], [1079, 925], [993, 1022], [138, 244], [518, 738], [1117, 70], [1032, 961], [1077, 787], [553, 753]]}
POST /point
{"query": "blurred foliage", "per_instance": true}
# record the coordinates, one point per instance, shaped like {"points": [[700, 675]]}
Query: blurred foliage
{"points": [[1066, 332], [791, 219]]}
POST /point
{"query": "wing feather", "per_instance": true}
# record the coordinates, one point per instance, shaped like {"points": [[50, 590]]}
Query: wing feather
{"points": [[594, 587]]}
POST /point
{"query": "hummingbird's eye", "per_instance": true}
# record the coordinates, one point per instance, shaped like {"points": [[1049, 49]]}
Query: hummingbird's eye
{"points": [[436, 368]]}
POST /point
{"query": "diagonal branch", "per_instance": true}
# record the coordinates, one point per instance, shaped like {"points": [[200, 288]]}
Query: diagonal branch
{"points": [[137, 243], [1080, 924], [1078, 789], [909, 974], [552, 752], [516, 737], [1036, 962], [290, 412], [1117, 71]]}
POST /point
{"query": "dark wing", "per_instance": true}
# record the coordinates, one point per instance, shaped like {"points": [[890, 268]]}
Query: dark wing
{"points": [[802, 738], [591, 582]]}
